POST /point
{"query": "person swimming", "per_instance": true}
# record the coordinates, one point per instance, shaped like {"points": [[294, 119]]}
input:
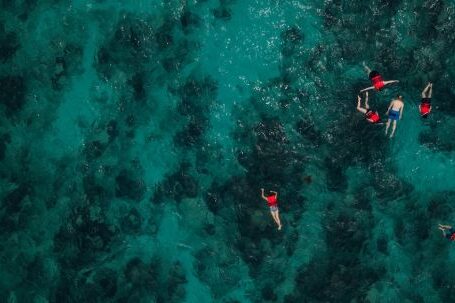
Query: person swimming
{"points": [[272, 202], [376, 80], [370, 115], [447, 232], [425, 104], [395, 112]]}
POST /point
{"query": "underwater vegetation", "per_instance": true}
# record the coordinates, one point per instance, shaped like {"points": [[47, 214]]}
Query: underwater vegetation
{"points": [[135, 138]]}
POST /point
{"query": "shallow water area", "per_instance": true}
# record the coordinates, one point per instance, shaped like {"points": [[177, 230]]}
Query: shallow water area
{"points": [[136, 136]]}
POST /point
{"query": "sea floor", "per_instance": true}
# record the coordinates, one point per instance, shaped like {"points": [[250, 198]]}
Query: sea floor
{"points": [[135, 137]]}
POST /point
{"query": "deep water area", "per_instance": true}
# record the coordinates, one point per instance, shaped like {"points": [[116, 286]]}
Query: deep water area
{"points": [[135, 137]]}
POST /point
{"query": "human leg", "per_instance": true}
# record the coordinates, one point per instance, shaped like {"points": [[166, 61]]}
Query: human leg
{"points": [[274, 216], [394, 126], [274, 212], [277, 219], [367, 106], [361, 109], [367, 69], [387, 127], [425, 91], [359, 106]]}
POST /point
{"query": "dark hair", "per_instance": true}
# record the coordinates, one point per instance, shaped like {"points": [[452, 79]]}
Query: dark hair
{"points": [[270, 194], [425, 115], [400, 97]]}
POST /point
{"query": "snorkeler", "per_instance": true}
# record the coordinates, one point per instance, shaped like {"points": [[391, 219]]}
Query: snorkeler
{"points": [[370, 115], [272, 202], [425, 104], [395, 111], [447, 231], [376, 80]]}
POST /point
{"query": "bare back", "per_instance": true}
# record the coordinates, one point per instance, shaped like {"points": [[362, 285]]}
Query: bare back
{"points": [[397, 105]]}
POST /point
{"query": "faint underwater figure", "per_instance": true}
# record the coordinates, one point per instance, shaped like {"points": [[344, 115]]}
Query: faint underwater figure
{"points": [[425, 104], [447, 232], [370, 115], [272, 202], [308, 179], [376, 80], [395, 112]]}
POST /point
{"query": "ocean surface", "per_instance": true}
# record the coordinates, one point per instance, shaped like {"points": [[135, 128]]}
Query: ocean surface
{"points": [[135, 137]]}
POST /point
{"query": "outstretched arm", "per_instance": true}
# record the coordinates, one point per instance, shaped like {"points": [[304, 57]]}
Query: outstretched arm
{"points": [[445, 226], [276, 194], [390, 82], [359, 108], [367, 69], [401, 111], [425, 90], [367, 89], [262, 194], [366, 101]]}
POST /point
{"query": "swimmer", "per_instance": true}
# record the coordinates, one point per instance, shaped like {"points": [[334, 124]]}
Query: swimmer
{"points": [[447, 231], [425, 104], [273, 205], [370, 115], [395, 111], [376, 80]]}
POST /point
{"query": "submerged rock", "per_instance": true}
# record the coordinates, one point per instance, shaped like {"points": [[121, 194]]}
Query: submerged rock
{"points": [[129, 186], [139, 273], [9, 44], [12, 94], [132, 221]]}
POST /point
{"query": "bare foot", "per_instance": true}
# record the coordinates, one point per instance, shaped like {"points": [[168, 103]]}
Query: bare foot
{"points": [[279, 227]]}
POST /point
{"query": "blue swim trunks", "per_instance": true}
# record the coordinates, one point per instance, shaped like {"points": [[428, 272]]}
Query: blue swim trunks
{"points": [[394, 115]]}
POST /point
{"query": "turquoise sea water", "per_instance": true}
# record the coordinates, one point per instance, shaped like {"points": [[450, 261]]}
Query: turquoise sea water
{"points": [[136, 135]]}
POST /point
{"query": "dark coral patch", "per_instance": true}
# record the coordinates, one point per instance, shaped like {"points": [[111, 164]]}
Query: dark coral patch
{"points": [[12, 92], [222, 13], [138, 85], [191, 134], [112, 130], [9, 44], [188, 19], [129, 186], [140, 274], [5, 139], [178, 186], [94, 149], [132, 221]]}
